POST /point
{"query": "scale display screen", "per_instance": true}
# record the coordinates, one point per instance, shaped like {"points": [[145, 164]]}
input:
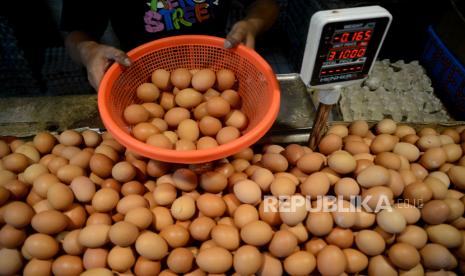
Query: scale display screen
{"points": [[347, 50]]}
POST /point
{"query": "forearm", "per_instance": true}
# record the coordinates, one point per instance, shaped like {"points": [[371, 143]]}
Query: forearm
{"points": [[262, 14], [77, 44]]}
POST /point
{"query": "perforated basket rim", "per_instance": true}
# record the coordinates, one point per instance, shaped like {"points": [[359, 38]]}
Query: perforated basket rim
{"points": [[192, 156]]}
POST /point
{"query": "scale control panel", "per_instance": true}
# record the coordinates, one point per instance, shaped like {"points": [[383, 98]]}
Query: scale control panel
{"points": [[342, 45]]}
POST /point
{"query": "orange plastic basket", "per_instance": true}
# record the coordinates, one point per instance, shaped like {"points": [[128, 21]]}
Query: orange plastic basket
{"points": [[258, 88]]}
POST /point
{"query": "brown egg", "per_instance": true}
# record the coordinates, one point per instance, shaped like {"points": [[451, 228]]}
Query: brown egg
{"points": [[68, 172], [70, 138], [200, 111], [300, 263], [359, 128], [370, 242], [181, 78], [203, 79], [283, 243], [380, 265], [294, 211], [10, 261], [414, 235], [391, 221], [433, 158], [310, 162], [71, 243], [428, 141], [356, 147], [15, 162], [123, 171], [91, 138], [445, 234], [435, 212], [180, 260], [281, 186], [227, 134], [10, 237], [383, 142], [340, 130], [135, 113], [142, 131], [218, 107], [188, 130], [151, 246], [417, 193], [147, 92], [44, 142], [214, 260], [457, 176], [94, 235], [435, 256], [342, 238], [121, 259], [330, 143], [105, 200], [49, 222], [67, 265], [342, 162], [247, 191], [99, 218], [161, 78], [188, 98], [404, 256], [225, 79], [41, 246], [213, 182], [17, 214], [319, 223], [185, 179], [244, 214], [456, 208], [316, 184], [211, 205], [38, 267], [256, 233], [206, 142], [101, 165], [123, 233], [160, 140], [130, 202], [226, 236], [237, 119], [274, 162], [386, 126], [356, 260], [176, 115], [43, 182], [331, 261], [209, 125], [232, 97], [183, 208], [345, 215], [453, 152], [346, 187], [145, 267]]}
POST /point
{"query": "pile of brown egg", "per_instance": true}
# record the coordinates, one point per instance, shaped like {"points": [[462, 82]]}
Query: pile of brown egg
{"points": [[182, 110], [81, 203]]}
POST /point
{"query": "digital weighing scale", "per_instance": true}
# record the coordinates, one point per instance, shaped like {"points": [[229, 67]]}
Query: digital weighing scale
{"points": [[341, 49]]}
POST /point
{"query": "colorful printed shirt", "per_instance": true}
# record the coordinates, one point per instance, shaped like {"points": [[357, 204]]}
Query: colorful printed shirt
{"points": [[138, 21]]}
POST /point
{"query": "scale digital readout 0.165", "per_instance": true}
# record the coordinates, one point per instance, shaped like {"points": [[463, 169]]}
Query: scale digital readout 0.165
{"points": [[341, 49]]}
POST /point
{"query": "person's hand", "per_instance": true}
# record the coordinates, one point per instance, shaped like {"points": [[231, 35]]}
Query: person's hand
{"points": [[243, 31], [98, 57]]}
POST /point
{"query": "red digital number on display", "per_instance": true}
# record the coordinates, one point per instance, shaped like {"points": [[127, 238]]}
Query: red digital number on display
{"points": [[354, 36], [349, 53]]}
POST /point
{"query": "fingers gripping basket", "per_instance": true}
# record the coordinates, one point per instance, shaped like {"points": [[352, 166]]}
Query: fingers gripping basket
{"points": [[258, 89]]}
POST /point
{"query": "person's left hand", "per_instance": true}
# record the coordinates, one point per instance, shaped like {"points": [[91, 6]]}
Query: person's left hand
{"points": [[243, 31]]}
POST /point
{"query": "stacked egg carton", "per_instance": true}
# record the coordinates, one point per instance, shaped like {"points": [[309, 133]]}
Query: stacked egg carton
{"points": [[399, 90]]}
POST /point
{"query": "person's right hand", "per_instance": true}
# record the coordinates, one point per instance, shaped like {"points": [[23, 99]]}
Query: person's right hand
{"points": [[97, 58]]}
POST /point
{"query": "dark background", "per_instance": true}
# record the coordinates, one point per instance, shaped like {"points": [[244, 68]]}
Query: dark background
{"points": [[33, 60]]}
